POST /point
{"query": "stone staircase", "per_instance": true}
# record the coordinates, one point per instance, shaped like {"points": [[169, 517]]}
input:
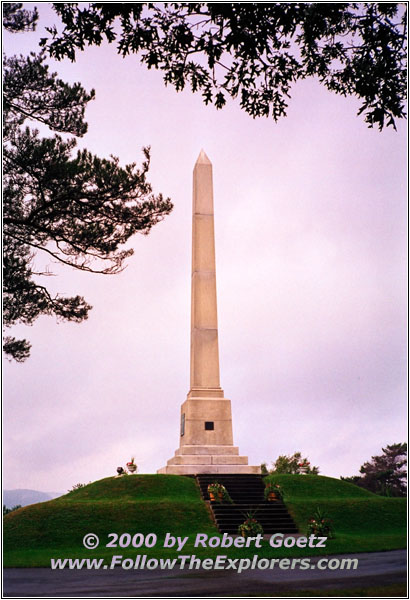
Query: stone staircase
{"points": [[246, 492]]}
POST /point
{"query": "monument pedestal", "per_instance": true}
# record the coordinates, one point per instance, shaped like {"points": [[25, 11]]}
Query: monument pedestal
{"points": [[206, 440]]}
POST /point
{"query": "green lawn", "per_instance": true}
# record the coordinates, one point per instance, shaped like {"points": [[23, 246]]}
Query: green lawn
{"points": [[171, 503]]}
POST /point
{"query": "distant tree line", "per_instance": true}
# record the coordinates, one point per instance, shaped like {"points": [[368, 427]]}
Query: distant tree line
{"points": [[7, 510]]}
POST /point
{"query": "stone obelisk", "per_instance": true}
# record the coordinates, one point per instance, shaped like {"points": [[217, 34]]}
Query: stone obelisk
{"points": [[206, 441]]}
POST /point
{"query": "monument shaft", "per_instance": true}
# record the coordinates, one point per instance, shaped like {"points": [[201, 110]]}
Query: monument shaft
{"points": [[206, 441], [204, 321]]}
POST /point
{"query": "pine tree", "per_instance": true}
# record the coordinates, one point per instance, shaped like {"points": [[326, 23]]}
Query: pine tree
{"points": [[76, 207], [385, 474]]}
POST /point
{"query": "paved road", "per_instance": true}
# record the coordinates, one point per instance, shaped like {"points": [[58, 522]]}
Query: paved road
{"points": [[376, 568]]}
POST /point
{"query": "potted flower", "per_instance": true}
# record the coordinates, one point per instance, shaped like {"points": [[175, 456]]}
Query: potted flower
{"points": [[320, 524], [218, 493], [304, 467], [250, 527], [273, 492], [131, 466]]}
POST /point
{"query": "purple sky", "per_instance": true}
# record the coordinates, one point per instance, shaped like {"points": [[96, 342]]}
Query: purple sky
{"points": [[310, 219]]}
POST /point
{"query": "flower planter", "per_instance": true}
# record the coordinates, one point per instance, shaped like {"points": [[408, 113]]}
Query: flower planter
{"points": [[131, 466], [272, 492], [218, 493], [250, 528], [212, 496]]}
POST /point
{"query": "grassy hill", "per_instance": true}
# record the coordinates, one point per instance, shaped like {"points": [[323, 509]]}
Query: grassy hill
{"points": [[171, 503], [142, 503]]}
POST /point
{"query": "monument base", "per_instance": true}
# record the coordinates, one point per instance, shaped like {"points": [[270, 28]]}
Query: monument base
{"points": [[194, 460]]}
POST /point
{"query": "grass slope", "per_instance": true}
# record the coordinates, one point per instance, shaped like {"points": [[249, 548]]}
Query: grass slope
{"points": [[361, 519], [171, 503], [142, 503]]}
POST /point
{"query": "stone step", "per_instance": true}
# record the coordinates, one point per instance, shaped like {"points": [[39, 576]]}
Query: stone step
{"points": [[284, 520], [265, 524], [229, 477], [267, 530], [203, 459], [200, 469], [260, 518], [261, 508], [238, 513], [204, 450], [248, 489]]}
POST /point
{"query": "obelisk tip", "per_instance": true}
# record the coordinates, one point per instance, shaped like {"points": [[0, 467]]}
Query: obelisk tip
{"points": [[202, 159]]}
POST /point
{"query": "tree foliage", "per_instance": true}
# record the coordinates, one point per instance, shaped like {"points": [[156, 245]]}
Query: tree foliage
{"points": [[255, 51], [292, 464], [77, 208], [17, 19], [385, 474]]}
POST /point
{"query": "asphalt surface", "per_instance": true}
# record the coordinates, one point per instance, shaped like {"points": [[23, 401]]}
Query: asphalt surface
{"points": [[376, 568]]}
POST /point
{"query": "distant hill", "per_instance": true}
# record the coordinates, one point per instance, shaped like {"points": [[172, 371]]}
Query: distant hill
{"points": [[24, 497]]}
